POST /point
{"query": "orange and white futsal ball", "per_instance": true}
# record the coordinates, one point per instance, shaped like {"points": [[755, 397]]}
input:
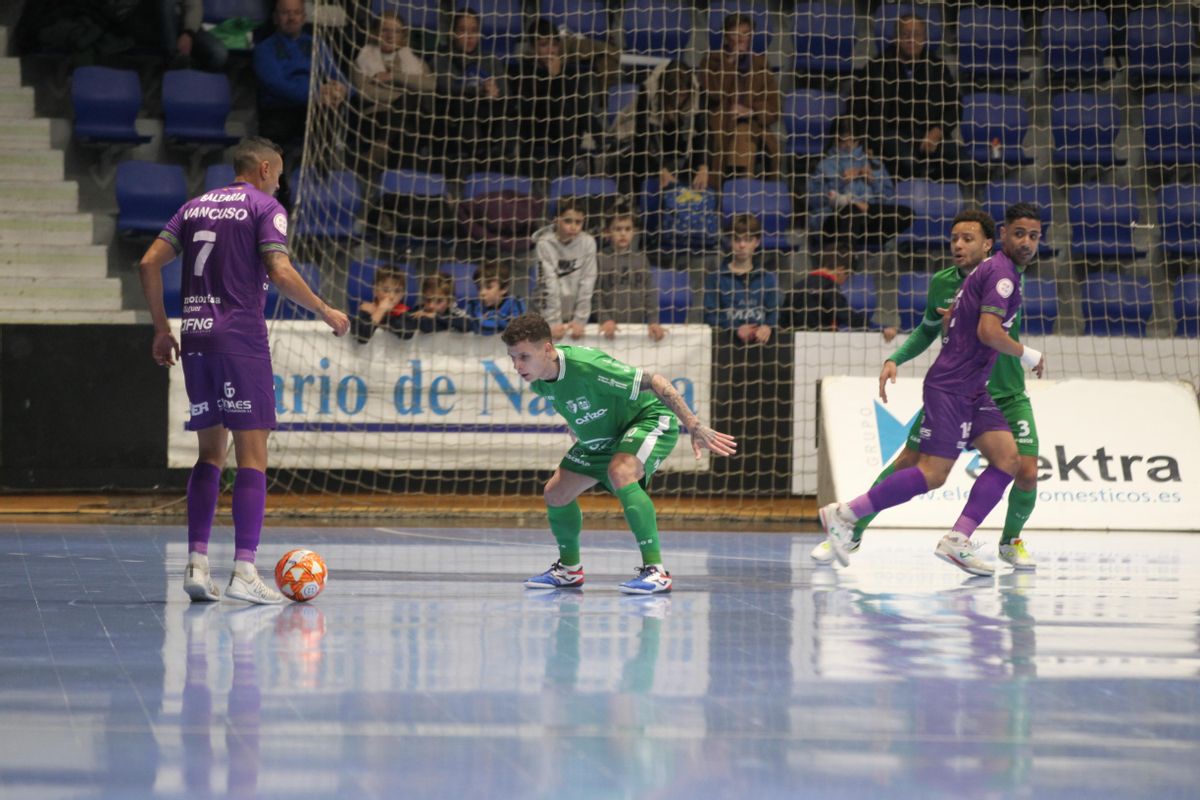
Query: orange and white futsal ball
{"points": [[301, 575]]}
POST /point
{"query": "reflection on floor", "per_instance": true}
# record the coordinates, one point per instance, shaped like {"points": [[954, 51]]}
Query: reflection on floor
{"points": [[425, 670]]}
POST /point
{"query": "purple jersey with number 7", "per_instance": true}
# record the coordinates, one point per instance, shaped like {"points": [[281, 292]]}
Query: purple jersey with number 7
{"points": [[223, 235], [964, 363]]}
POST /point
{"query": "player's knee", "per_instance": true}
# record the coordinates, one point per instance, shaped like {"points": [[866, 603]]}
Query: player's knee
{"points": [[1009, 463], [621, 473], [935, 474], [552, 493], [1026, 478]]}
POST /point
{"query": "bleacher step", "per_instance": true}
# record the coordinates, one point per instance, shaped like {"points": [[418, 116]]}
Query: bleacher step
{"points": [[31, 294], [62, 261], [16, 316], [33, 228], [25, 133], [60, 197], [19, 164], [10, 72], [16, 102]]}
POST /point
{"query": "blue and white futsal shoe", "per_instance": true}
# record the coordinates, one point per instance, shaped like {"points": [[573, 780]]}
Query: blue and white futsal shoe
{"points": [[557, 577], [651, 579]]}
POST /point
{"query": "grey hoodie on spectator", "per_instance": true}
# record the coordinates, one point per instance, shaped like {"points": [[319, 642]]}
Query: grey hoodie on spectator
{"points": [[625, 290], [566, 276]]}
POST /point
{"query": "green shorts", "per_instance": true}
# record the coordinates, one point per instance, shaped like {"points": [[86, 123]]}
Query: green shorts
{"points": [[649, 439], [1016, 409]]}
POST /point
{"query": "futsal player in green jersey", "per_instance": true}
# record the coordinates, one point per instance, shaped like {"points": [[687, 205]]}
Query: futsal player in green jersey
{"points": [[624, 422], [972, 235]]}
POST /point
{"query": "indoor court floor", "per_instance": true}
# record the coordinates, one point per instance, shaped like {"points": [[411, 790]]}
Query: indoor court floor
{"points": [[425, 670]]}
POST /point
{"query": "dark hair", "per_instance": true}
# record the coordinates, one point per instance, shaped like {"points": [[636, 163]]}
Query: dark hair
{"points": [[437, 284], [566, 204], [543, 28], [1022, 211], [492, 271], [975, 215], [734, 21], [387, 274], [529, 327], [462, 14], [621, 212], [746, 224], [252, 151]]}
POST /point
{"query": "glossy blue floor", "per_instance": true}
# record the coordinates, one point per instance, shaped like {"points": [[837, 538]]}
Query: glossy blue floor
{"points": [[425, 670]]}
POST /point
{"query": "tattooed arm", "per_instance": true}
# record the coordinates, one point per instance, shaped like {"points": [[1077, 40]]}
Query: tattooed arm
{"points": [[702, 435]]}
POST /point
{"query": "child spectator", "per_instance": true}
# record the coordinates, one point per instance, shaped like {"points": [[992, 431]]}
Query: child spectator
{"points": [[625, 291], [438, 311], [386, 308], [566, 255], [493, 309], [741, 296]]}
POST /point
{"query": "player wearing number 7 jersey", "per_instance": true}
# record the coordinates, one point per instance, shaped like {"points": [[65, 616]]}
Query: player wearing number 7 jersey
{"points": [[232, 241], [958, 409]]}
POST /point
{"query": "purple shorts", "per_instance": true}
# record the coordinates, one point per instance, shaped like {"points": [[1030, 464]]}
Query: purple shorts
{"points": [[234, 391], [952, 421]]}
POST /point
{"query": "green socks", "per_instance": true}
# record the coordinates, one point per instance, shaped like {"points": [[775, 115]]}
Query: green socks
{"points": [[639, 513], [566, 523], [862, 524], [1020, 506]]}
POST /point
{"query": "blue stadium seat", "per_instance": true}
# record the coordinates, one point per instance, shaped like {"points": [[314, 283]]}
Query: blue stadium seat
{"points": [[1085, 126], [824, 39], [588, 17], [106, 103], [989, 44], [1171, 129], [328, 206], [482, 183], [1179, 221], [412, 183], [148, 194], [934, 207], [1039, 306], [674, 295], [757, 11], [1075, 44], [217, 11], [360, 282], [770, 201], [659, 28], [419, 206], [501, 24], [1186, 303], [808, 115], [1116, 305], [422, 15], [1159, 42], [999, 195], [987, 117], [280, 307], [217, 176], [1101, 216], [859, 290], [912, 292], [620, 97], [883, 25], [196, 105], [598, 195], [463, 274], [172, 278]]}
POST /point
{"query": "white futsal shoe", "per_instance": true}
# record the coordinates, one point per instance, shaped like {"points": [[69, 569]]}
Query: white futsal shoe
{"points": [[1015, 553], [839, 532], [959, 550], [823, 553], [245, 584], [198, 582]]}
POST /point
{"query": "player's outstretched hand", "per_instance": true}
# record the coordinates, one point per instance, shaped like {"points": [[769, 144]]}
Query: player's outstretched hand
{"points": [[1040, 369], [888, 373], [165, 349], [337, 320], [721, 444]]}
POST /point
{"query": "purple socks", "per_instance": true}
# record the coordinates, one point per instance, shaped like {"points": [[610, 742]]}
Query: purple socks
{"points": [[899, 487], [985, 494], [249, 503], [203, 487]]}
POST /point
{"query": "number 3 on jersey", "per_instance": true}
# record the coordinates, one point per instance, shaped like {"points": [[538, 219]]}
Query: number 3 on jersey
{"points": [[210, 239]]}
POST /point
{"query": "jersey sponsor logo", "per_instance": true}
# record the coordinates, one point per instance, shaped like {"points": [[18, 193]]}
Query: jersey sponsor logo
{"points": [[197, 299], [280, 223], [607, 381], [199, 408], [234, 406], [576, 459], [223, 197], [578, 403], [194, 324], [216, 214], [1004, 287], [591, 416], [597, 444], [229, 390]]}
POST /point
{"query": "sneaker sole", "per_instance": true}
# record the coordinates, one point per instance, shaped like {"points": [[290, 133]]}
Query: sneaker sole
{"points": [[841, 556], [250, 598], [969, 570], [532, 585], [642, 592], [1021, 567], [199, 594]]}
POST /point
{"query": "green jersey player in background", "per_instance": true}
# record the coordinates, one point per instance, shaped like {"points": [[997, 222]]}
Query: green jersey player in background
{"points": [[624, 422], [971, 239]]}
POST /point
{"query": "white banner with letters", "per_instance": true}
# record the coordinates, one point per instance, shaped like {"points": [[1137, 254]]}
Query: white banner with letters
{"points": [[1114, 455], [433, 402]]}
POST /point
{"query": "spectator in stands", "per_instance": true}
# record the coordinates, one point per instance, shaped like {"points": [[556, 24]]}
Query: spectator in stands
{"points": [[283, 63], [553, 105], [438, 311], [849, 200], [665, 134], [742, 96], [386, 309], [474, 88], [625, 290], [741, 296], [186, 42], [395, 88], [493, 309], [906, 106], [816, 303], [566, 264]]}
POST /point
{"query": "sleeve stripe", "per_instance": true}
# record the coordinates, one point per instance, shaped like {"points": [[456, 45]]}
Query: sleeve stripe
{"points": [[930, 322], [273, 247], [170, 239], [637, 385]]}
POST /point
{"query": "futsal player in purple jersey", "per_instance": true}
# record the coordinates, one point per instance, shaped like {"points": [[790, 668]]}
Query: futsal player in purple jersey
{"points": [[232, 240], [958, 409]]}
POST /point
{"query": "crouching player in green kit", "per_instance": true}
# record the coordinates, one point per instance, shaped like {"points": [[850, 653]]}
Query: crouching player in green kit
{"points": [[624, 422]]}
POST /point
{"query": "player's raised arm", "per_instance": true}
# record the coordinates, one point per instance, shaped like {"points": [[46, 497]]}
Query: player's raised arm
{"points": [[165, 348], [284, 275], [702, 436]]}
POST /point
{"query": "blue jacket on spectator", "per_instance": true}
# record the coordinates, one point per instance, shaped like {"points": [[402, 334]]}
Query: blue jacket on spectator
{"points": [[283, 66], [828, 177], [489, 320], [731, 301]]}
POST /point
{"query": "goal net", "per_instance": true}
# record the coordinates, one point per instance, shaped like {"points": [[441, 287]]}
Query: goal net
{"points": [[842, 138]]}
